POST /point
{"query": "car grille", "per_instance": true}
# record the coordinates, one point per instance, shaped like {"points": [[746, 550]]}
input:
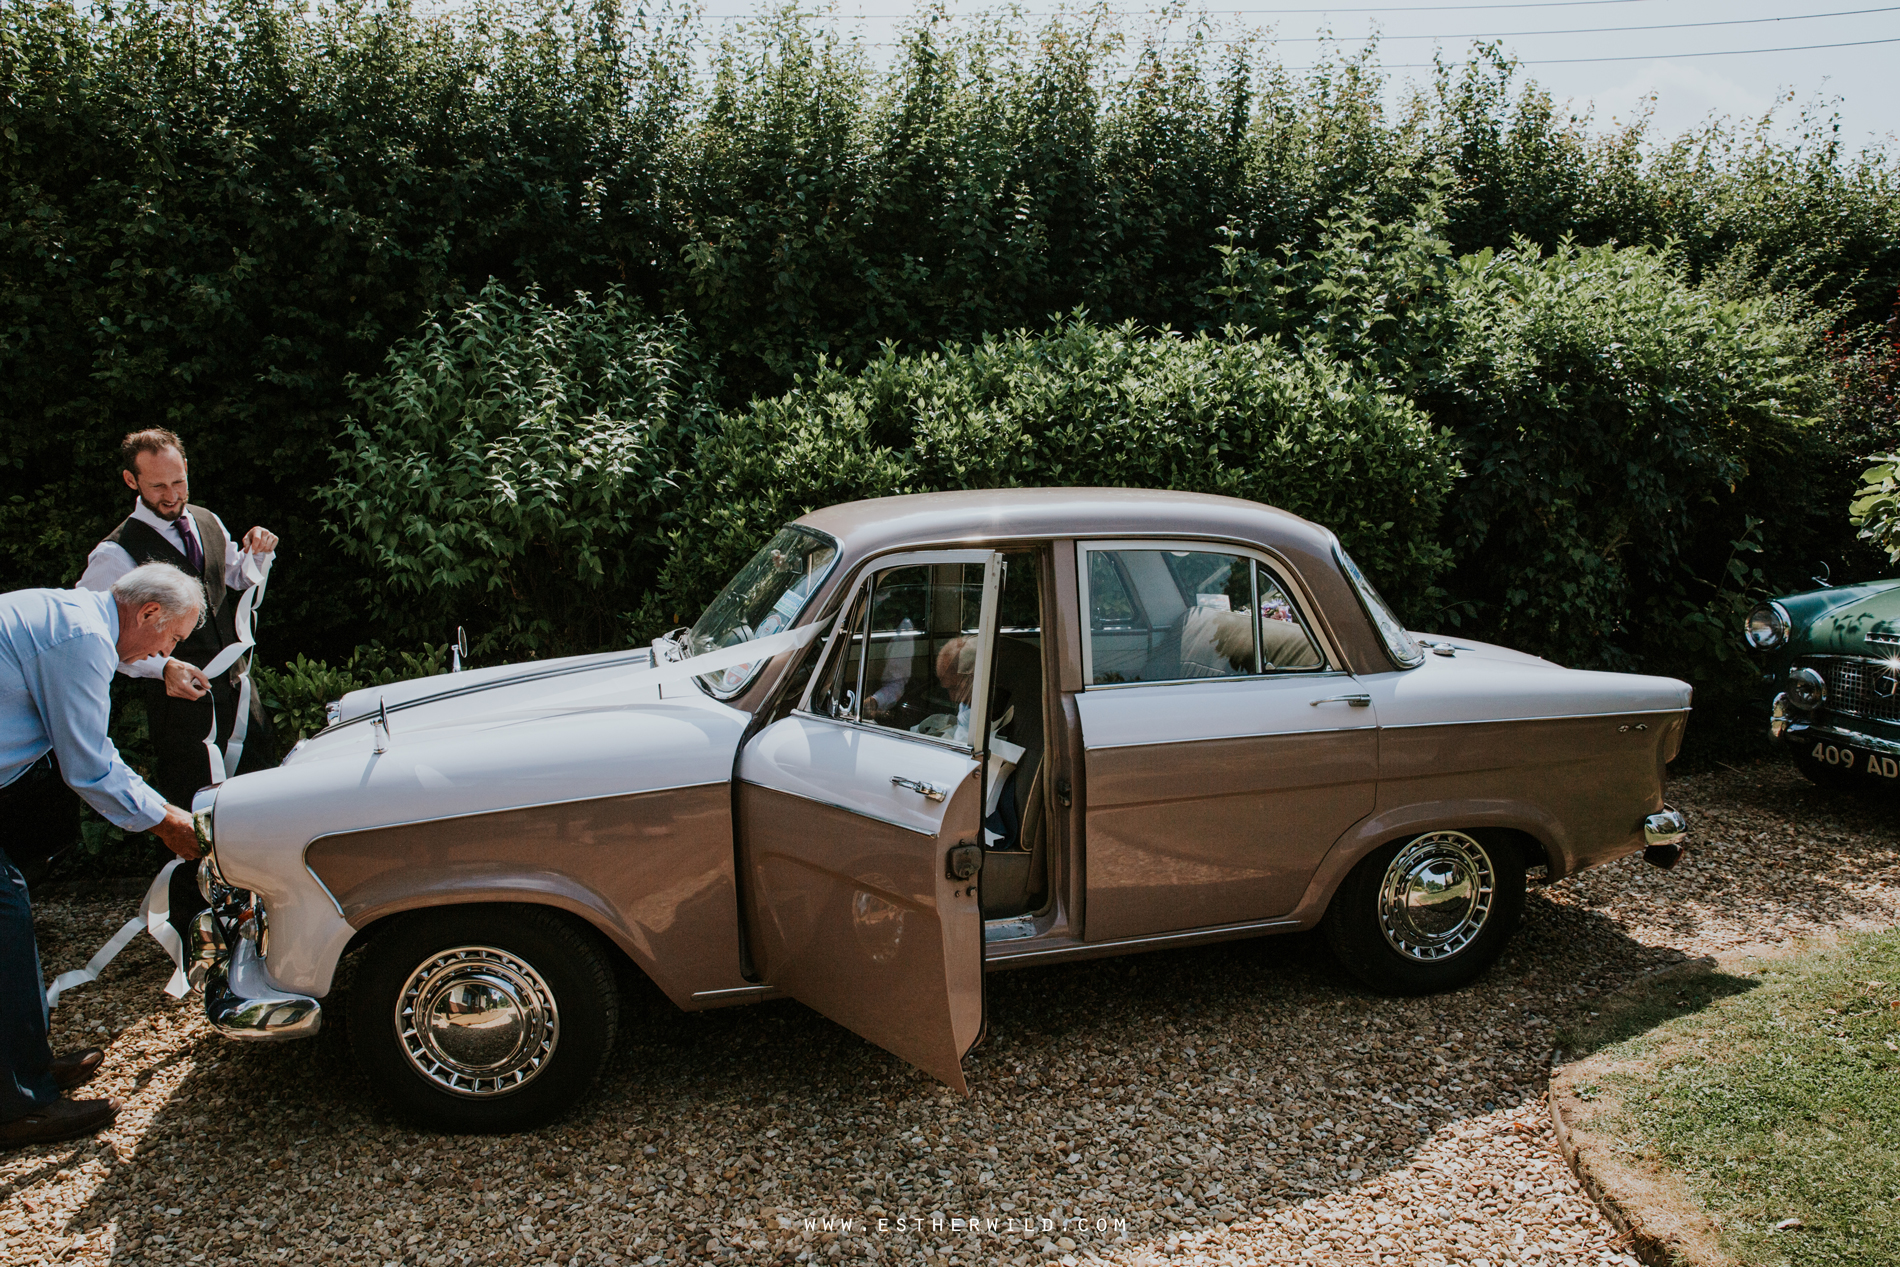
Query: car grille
{"points": [[1853, 686]]}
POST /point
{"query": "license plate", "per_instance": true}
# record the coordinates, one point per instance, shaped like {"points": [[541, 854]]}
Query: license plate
{"points": [[1872, 764]]}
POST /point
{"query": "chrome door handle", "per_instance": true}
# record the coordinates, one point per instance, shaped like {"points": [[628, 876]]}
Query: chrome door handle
{"points": [[930, 790], [1357, 701]]}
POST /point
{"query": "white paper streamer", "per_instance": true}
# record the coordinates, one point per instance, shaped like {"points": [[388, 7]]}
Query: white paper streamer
{"points": [[233, 752], [154, 917], [667, 672]]}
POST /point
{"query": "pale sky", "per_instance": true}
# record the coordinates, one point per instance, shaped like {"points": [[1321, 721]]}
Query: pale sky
{"points": [[1861, 83]]}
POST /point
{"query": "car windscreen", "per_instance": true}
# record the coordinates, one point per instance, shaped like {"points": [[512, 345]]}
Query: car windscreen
{"points": [[764, 598], [1399, 643]]}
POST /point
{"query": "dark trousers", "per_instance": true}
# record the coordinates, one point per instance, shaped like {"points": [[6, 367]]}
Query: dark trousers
{"points": [[178, 728], [40, 816], [26, 1078]]}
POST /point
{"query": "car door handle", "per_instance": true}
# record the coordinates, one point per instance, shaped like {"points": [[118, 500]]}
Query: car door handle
{"points": [[1357, 701], [918, 786]]}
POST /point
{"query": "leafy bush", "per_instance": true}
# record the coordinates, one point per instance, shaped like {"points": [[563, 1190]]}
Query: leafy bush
{"points": [[213, 216], [295, 694], [508, 470], [1604, 406], [1083, 405], [1876, 510]]}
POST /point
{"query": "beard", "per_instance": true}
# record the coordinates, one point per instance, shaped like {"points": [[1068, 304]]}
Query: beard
{"points": [[168, 518]]}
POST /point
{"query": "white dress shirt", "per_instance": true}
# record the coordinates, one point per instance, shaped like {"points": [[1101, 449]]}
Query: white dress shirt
{"points": [[109, 561]]}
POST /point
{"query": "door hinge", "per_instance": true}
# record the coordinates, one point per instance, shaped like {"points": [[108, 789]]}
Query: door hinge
{"points": [[1065, 795], [964, 861]]}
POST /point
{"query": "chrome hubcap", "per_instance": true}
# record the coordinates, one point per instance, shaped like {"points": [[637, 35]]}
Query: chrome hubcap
{"points": [[1436, 896], [477, 1021]]}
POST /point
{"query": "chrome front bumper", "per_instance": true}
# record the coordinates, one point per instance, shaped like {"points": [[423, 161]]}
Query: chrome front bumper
{"points": [[240, 1001]]}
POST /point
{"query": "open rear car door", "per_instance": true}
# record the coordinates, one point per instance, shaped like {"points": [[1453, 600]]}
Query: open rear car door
{"points": [[860, 814]]}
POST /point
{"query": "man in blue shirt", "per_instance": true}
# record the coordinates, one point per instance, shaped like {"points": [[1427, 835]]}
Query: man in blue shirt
{"points": [[58, 652]]}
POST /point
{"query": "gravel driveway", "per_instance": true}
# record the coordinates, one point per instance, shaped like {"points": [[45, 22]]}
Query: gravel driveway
{"points": [[1232, 1103]]}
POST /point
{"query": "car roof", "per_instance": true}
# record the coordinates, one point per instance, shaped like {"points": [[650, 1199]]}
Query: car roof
{"points": [[974, 516], [881, 524]]}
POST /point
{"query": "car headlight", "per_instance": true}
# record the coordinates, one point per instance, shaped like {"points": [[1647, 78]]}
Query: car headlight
{"points": [[203, 810], [1807, 690], [1767, 627]]}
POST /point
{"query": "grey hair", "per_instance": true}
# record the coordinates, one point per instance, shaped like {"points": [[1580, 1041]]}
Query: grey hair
{"points": [[175, 593]]}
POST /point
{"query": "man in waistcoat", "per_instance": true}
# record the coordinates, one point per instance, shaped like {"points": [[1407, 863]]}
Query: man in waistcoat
{"points": [[165, 528]]}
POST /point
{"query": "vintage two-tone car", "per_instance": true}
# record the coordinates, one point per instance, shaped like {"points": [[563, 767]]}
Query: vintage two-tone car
{"points": [[1834, 671], [915, 740]]}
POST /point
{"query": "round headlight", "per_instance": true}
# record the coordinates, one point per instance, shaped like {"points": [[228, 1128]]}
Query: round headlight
{"points": [[1806, 689], [1767, 627]]}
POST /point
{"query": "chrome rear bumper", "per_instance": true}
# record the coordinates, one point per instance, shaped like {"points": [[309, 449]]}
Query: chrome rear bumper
{"points": [[240, 1002], [1666, 827], [1662, 836]]}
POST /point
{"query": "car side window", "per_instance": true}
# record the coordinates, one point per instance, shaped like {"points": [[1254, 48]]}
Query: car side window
{"points": [[1285, 643], [910, 658], [1206, 614]]}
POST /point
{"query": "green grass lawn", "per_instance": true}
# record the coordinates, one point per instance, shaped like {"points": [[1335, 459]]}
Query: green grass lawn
{"points": [[1773, 1090]]}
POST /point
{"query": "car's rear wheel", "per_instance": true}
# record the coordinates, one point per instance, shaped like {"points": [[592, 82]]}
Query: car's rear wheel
{"points": [[1427, 913], [488, 1018]]}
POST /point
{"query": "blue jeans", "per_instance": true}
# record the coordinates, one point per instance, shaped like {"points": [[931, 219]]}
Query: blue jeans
{"points": [[26, 1074]]}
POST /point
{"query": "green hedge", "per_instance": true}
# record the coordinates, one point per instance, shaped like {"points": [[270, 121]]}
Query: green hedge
{"points": [[508, 469], [212, 217], [1082, 405]]}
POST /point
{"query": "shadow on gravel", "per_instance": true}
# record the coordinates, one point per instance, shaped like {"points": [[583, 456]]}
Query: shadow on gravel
{"points": [[1165, 1091], [1646, 1004], [1794, 854]]}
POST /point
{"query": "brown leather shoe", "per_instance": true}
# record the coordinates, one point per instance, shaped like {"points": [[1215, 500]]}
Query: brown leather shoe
{"points": [[62, 1119], [76, 1068]]}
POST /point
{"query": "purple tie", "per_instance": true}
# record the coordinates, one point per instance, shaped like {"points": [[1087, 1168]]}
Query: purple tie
{"points": [[194, 552]]}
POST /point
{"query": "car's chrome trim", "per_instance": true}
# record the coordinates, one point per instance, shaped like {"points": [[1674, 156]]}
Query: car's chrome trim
{"points": [[1025, 951], [264, 1015], [477, 688], [1338, 730], [1506, 721], [874, 728], [1259, 734], [1266, 675], [319, 879], [1665, 827], [737, 992], [849, 809]]}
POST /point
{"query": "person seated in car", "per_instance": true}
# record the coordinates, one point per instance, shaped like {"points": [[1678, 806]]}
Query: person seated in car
{"points": [[956, 673], [1220, 644]]}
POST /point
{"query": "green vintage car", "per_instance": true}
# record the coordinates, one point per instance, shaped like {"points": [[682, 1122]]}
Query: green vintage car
{"points": [[1834, 665]]}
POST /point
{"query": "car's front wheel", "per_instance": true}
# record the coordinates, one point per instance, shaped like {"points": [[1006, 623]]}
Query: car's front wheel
{"points": [[489, 1018], [1428, 913]]}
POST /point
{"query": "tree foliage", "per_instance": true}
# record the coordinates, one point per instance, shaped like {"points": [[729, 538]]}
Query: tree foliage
{"points": [[219, 217], [508, 471], [1082, 405]]}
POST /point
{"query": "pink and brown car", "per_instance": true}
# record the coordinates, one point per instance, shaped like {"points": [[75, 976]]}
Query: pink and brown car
{"points": [[915, 740]]}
